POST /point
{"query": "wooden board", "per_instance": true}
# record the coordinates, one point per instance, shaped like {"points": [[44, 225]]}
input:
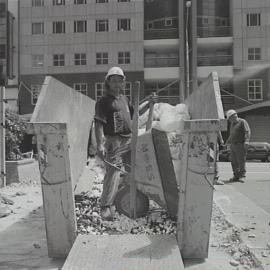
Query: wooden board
{"points": [[85, 182], [124, 252], [57, 191], [59, 103], [166, 170]]}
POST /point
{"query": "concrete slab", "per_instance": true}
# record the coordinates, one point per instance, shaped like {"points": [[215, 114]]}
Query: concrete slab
{"points": [[58, 103], [252, 220], [124, 252]]}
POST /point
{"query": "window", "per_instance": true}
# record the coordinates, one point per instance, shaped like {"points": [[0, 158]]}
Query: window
{"points": [[124, 58], [58, 2], [123, 1], [79, 59], [79, 2], [254, 53], [127, 90], [37, 60], [59, 27], [37, 3], [101, 1], [80, 26], [253, 19], [123, 24], [99, 89], [102, 25], [37, 28], [102, 58], [35, 90], [81, 87], [168, 22], [58, 60], [255, 91]]}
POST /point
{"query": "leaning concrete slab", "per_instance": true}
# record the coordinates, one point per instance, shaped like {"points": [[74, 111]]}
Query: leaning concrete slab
{"points": [[124, 252], [58, 103]]}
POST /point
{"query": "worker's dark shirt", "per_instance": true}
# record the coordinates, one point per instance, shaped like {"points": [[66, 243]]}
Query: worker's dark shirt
{"points": [[115, 113], [239, 132]]}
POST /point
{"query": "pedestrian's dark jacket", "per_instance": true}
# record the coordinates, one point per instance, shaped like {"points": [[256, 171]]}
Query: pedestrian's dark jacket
{"points": [[239, 132]]}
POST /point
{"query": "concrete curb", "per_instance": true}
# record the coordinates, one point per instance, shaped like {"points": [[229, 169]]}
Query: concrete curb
{"points": [[253, 221]]}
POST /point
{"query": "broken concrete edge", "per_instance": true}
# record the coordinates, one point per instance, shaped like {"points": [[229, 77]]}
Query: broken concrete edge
{"points": [[255, 259]]}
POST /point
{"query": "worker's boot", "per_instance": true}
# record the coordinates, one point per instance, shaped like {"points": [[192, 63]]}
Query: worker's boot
{"points": [[106, 213]]}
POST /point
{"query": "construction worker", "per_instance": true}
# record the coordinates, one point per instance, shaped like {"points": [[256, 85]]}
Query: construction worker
{"points": [[239, 136], [113, 114]]}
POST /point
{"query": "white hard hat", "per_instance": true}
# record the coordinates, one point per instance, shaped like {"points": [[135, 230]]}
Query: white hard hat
{"points": [[115, 71], [230, 113]]}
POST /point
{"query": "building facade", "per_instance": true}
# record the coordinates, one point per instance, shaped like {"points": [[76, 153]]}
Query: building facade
{"points": [[77, 41]]}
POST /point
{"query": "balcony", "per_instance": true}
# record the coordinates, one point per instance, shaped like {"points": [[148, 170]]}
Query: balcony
{"points": [[215, 60], [214, 31], [168, 33], [161, 61]]}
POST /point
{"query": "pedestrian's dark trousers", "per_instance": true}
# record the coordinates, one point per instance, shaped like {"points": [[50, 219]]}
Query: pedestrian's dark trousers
{"points": [[238, 159]]}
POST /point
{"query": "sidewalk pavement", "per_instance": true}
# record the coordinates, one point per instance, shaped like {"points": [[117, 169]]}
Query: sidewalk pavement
{"points": [[253, 221]]}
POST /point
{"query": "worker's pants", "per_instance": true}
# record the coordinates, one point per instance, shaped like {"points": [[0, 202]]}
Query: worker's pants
{"points": [[238, 159], [112, 176]]}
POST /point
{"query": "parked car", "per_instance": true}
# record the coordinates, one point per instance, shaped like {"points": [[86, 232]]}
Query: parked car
{"points": [[256, 150]]}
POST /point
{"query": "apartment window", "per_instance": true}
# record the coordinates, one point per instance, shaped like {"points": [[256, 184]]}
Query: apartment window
{"points": [[123, 24], [59, 27], [123, 1], [81, 87], [124, 58], [37, 60], [253, 19], [101, 1], [102, 25], [37, 28], [255, 90], [79, 2], [35, 90], [254, 53], [80, 59], [99, 89], [102, 58], [80, 26], [58, 2], [58, 60], [37, 3], [127, 90], [168, 22]]}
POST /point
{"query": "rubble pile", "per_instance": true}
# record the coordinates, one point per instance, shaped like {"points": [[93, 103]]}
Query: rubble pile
{"points": [[231, 242], [89, 220]]}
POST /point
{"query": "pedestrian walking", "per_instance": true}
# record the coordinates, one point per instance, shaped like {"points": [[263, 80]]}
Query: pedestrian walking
{"points": [[113, 123], [239, 136]]}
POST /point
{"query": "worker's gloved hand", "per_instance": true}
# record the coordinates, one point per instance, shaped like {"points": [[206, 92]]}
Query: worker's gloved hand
{"points": [[101, 153]]}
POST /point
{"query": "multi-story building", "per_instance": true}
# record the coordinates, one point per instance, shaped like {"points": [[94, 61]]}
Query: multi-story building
{"points": [[76, 41]]}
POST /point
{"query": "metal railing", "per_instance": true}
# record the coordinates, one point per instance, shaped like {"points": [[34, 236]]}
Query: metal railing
{"points": [[215, 60], [214, 31], [161, 61], [168, 33]]}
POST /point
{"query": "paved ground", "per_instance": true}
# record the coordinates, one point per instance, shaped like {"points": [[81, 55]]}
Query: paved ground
{"points": [[257, 186]]}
